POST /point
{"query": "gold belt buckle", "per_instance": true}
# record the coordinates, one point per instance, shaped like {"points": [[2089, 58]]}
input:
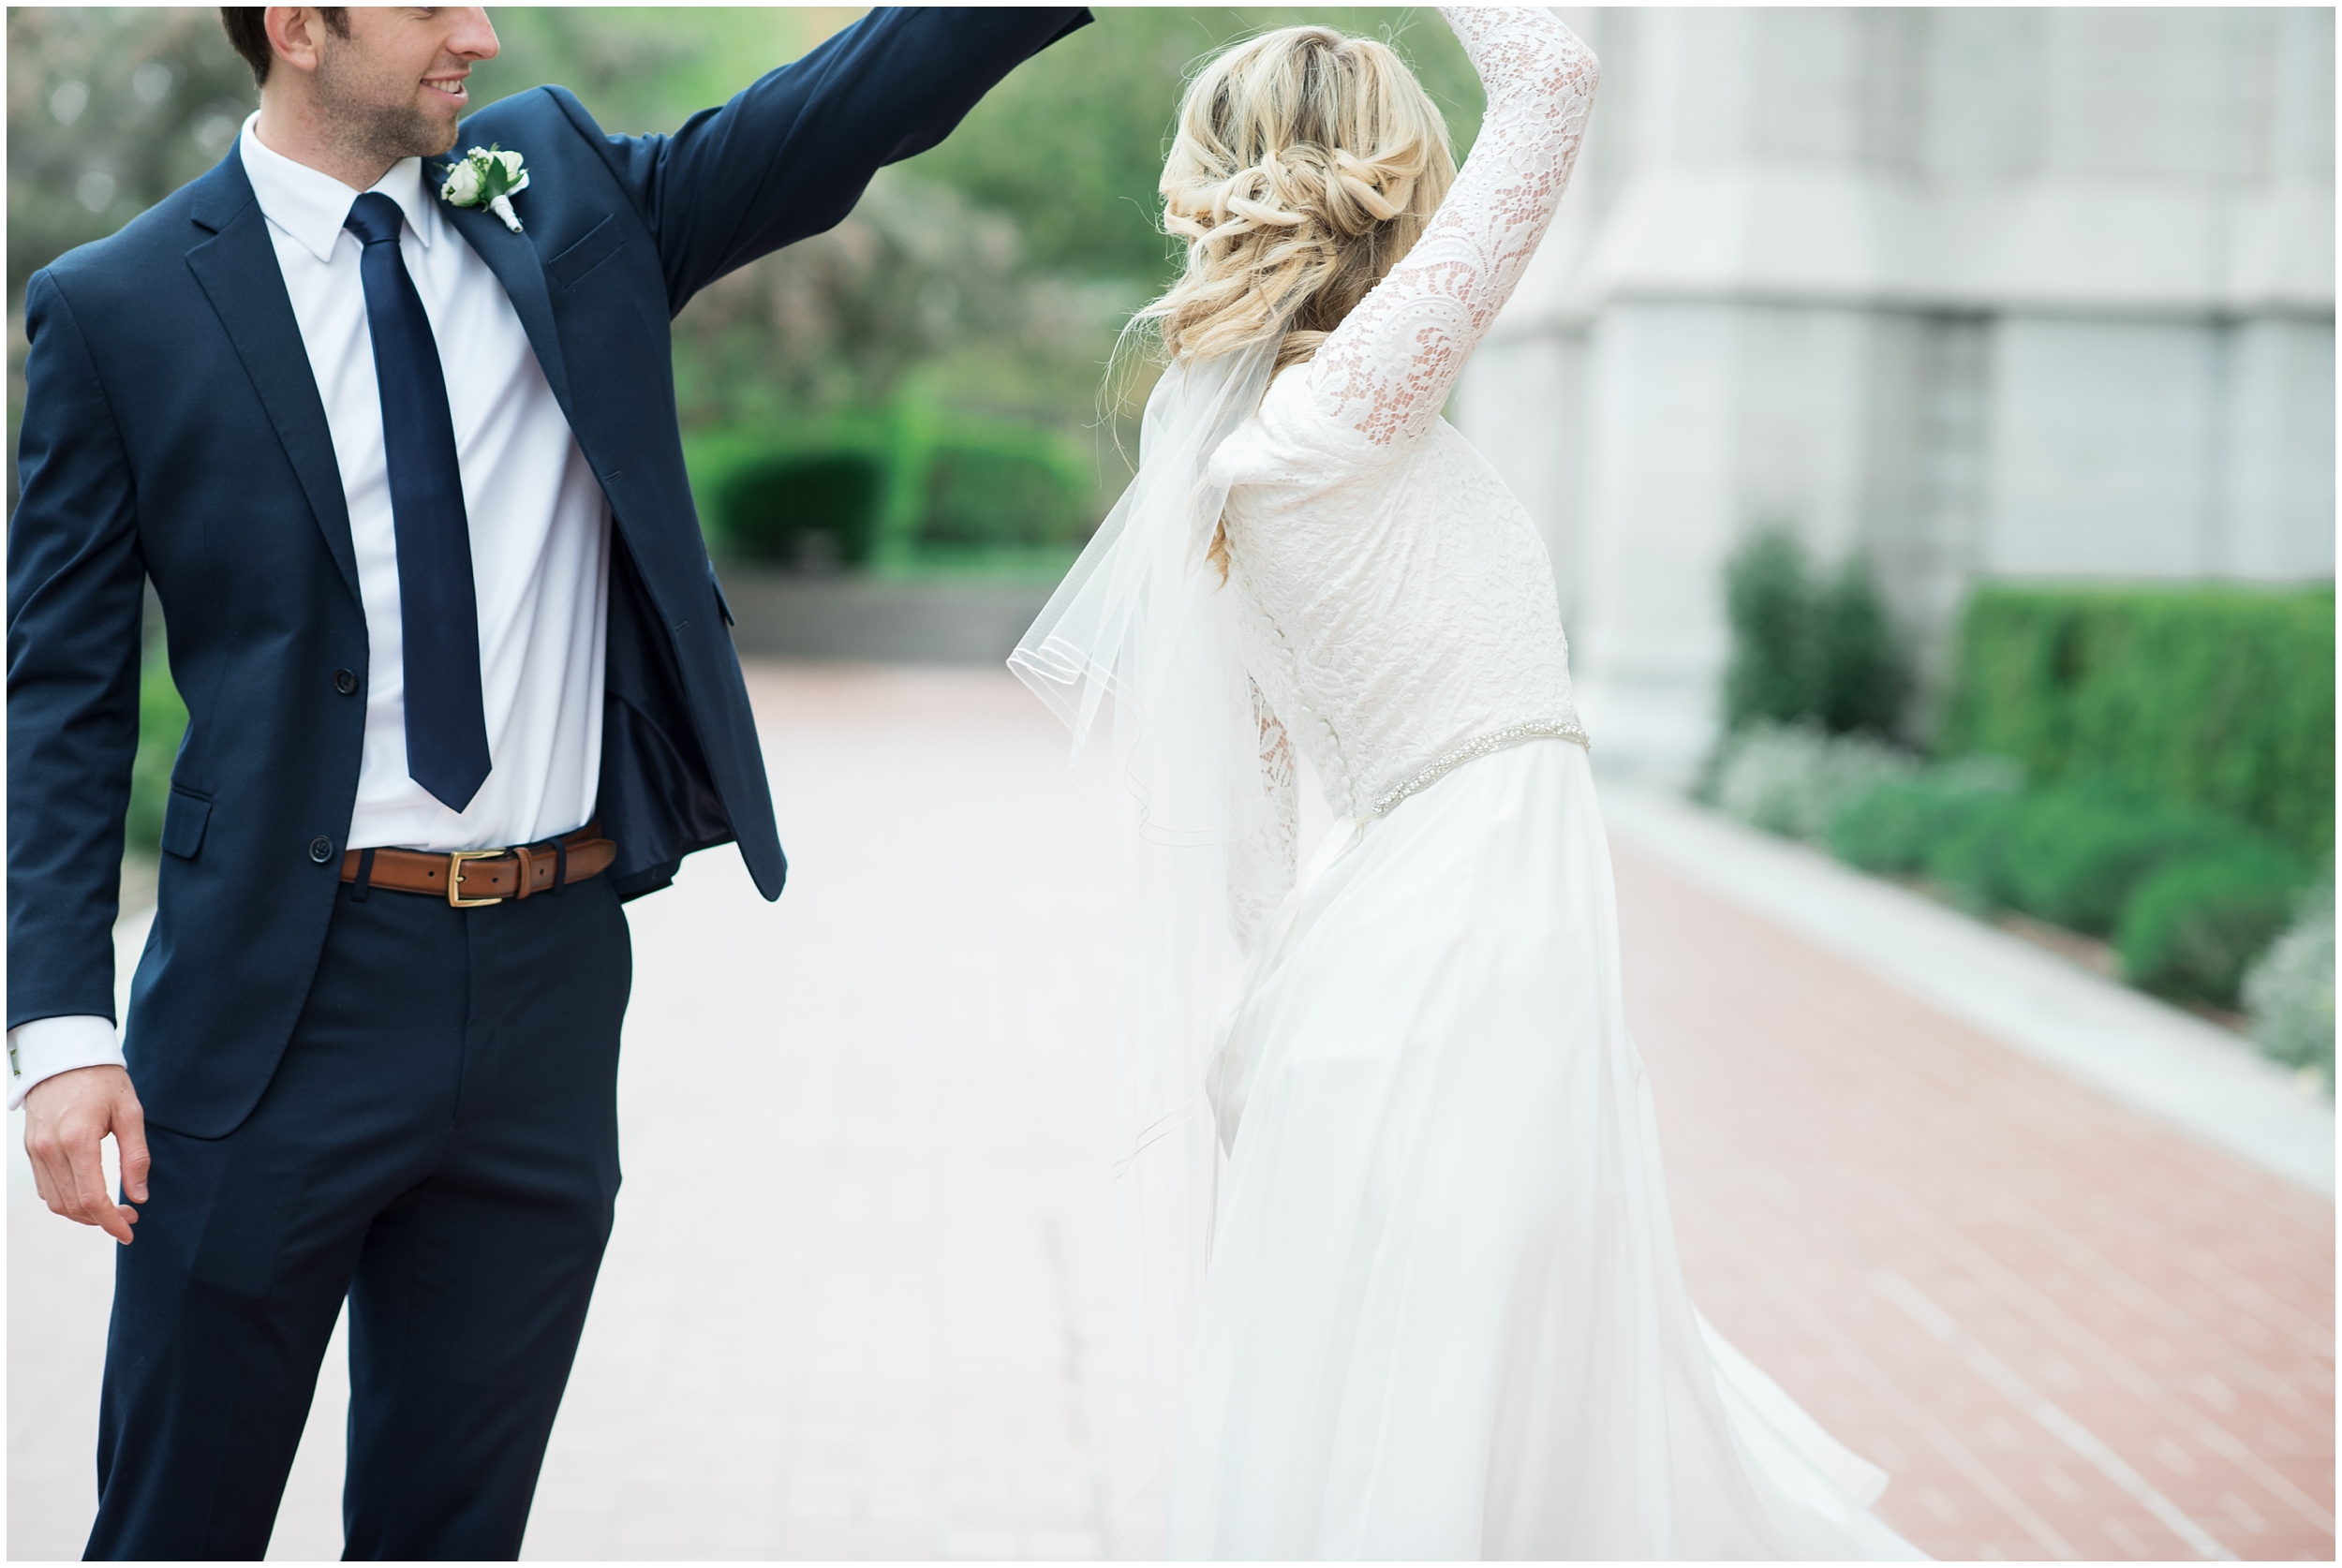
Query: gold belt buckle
{"points": [[456, 859]]}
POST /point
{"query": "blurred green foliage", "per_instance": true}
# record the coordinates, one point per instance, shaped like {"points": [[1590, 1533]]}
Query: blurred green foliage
{"points": [[1809, 648], [1893, 827], [1862, 679], [2081, 855], [2076, 854], [916, 487], [108, 111], [162, 720], [2188, 897], [646, 68], [813, 511], [1969, 860], [2217, 696], [1768, 605], [917, 291], [2181, 742], [2191, 930], [979, 496]]}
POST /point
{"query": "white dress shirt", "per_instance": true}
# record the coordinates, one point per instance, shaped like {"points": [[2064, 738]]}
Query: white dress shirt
{"points": [[540, 542]]}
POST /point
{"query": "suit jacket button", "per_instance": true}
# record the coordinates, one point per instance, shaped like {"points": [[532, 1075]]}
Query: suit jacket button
{"points": [[345, 683], [321, 849]]}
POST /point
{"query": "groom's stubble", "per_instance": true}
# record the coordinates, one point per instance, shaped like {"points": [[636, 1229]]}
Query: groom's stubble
{"points": [[352, 92], [369, 112]]}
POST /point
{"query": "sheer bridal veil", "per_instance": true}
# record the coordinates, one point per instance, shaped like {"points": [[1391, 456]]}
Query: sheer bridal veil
{"points": [[1136, 654]]}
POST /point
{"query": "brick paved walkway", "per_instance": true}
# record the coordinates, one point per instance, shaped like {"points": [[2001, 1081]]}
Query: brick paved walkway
{"points": [[859, 1299], [2067, 1331]]}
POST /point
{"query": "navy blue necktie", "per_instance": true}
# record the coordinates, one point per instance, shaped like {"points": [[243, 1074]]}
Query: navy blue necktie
{"points": [[446, 730]]}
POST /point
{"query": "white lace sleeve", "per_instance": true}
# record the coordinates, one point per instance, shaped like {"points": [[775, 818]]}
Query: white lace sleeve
{"points": [[1387, 371], [1261, 868]]}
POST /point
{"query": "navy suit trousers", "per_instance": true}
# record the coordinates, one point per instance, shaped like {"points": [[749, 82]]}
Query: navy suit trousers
{"points": [[438, 1144]]}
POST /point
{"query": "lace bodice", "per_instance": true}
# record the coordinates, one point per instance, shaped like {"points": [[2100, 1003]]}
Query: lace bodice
{"points": [[1393, 604]]}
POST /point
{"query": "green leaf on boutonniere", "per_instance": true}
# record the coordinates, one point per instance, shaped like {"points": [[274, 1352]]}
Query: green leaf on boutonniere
{"points": [[487, 177]]}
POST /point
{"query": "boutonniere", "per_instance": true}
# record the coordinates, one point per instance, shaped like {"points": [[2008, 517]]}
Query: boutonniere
{"points": [[487, 177]]}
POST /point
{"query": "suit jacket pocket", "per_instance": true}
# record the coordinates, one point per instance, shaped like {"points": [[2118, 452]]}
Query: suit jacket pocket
{"points": [[184, 819], [603, 240]]}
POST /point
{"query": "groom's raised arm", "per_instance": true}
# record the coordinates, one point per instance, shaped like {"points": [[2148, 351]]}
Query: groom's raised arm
{"points": [[791, 155]]}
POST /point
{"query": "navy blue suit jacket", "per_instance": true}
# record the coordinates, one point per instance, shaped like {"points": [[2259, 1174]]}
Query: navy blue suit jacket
{"points": [[173, 431]]}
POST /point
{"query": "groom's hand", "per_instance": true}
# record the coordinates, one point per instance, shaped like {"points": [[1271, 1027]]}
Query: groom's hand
{"points": [[65, 1119]]}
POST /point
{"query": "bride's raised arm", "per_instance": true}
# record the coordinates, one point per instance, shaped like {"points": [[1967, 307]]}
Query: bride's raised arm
{"points": [[1388, 368]]}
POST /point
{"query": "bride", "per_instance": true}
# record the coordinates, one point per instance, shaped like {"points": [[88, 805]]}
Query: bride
{"points": [[1404, 1251]]}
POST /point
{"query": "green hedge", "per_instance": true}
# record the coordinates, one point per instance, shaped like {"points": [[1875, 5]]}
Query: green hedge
{"points": [[1896, 827], [2219, 697], [2191, 928], [1971, 860], [2188, 897], [984, 495], [2193, 900], [2075, 853], [910, 489], [808, 509]]}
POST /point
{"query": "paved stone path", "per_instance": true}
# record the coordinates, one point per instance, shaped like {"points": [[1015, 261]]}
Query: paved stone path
{"points": [[859, 1300], [2068, 1331]]}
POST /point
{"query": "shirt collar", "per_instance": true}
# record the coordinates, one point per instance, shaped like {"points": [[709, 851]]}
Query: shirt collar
{"points": [[310, 205]]}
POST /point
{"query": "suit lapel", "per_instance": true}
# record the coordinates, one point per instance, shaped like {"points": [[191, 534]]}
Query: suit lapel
{"points": [[237, 269], [514, 260]]}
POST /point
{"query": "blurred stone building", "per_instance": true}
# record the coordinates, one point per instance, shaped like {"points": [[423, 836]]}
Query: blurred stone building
{"points": [[2017, 293]]}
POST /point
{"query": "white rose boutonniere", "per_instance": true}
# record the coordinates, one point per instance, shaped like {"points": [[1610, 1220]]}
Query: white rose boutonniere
{"points": [[487, 177]]}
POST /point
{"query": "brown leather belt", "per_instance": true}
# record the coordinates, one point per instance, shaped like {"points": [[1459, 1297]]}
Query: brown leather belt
{"points": [[469, 879]]}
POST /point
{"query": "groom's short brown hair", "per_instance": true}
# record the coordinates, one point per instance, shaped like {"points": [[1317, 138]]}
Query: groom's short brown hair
{"points": [[248, 29]]}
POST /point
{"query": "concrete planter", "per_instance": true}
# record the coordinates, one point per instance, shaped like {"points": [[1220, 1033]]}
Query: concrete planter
{"points": [[849, 617]]}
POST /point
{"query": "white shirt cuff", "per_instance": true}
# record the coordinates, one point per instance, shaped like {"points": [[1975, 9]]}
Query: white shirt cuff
{"points": [[47, 1046]]}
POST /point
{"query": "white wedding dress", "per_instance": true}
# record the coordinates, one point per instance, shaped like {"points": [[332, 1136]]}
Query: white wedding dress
{"points": [[1442, 1315]]}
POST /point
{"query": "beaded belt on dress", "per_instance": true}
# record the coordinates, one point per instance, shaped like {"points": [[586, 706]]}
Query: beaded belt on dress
{"points": [[1542, 729]]}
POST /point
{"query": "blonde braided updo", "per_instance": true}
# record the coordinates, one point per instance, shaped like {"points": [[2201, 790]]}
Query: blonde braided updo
{"points": [[1304, 165]]}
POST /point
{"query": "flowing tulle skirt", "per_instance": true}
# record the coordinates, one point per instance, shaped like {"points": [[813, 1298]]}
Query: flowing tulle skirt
{"points": [[1444, 1316]]}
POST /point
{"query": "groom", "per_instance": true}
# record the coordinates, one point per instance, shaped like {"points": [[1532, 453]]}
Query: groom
{"points": [[408, 482]]}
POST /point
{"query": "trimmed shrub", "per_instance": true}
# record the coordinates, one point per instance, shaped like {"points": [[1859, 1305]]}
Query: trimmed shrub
{"points": [[997, 495], [2220, 696], [1888, 829], [1793, 780], [2074, 854], [1768, 602], [812, 509], [2192, 926], [1971, 859], [2189, 896], [1891, 828], [2289, 991], [904, 488], [1861, 670], [1807, 652]]}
